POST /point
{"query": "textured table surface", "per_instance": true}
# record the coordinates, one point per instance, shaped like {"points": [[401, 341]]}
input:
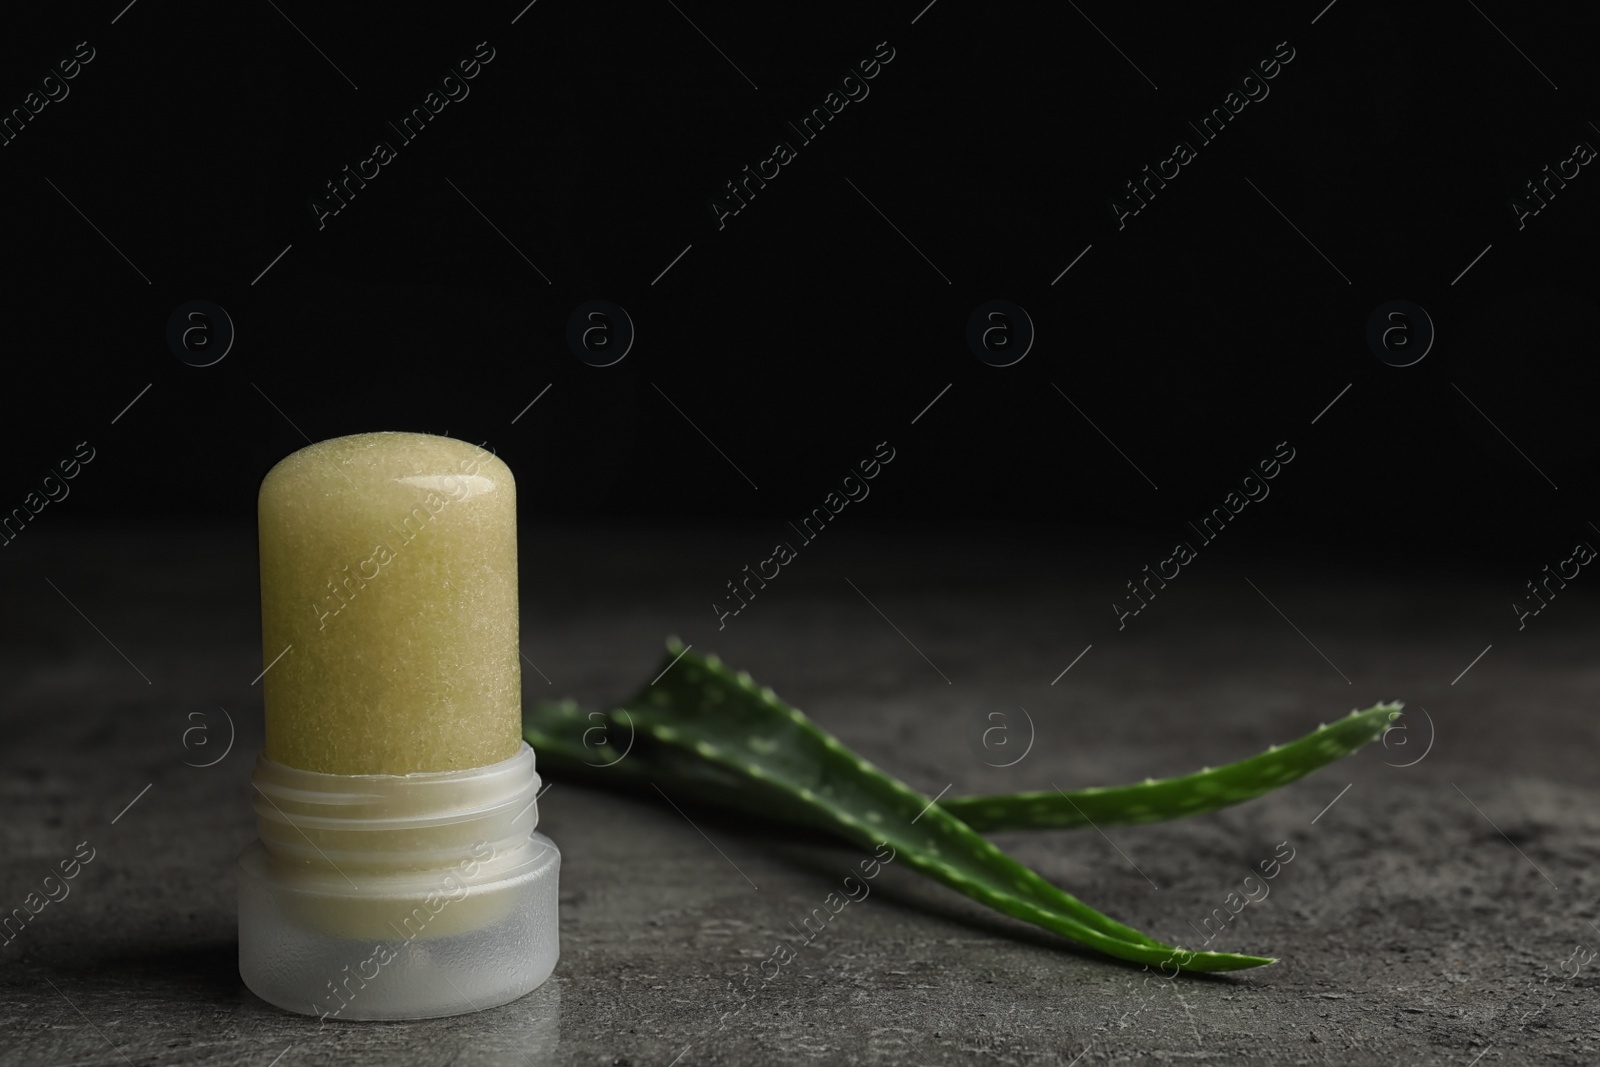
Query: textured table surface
{"points": [[1418, 920]]}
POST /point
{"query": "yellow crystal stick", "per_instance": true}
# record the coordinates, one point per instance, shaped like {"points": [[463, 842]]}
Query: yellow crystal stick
{"points": [[398, 874], [389, 589]]}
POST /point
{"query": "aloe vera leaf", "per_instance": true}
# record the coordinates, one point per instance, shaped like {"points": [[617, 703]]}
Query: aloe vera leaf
{"points": [[1175, 798], [702, 729], [607, 749]]}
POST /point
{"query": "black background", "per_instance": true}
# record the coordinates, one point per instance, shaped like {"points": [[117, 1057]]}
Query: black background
{"points": [[808, 329]]}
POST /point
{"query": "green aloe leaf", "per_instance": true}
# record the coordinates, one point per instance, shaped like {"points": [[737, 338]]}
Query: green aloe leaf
{"points": [[700, 731], [1175, 798]]}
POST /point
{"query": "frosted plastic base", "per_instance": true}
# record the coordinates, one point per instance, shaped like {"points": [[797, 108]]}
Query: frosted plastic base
{"points": [[382, 896], [290, 960]]}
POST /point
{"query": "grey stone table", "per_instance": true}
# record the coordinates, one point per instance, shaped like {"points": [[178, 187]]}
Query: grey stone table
{"points": [[1429, 915]]}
